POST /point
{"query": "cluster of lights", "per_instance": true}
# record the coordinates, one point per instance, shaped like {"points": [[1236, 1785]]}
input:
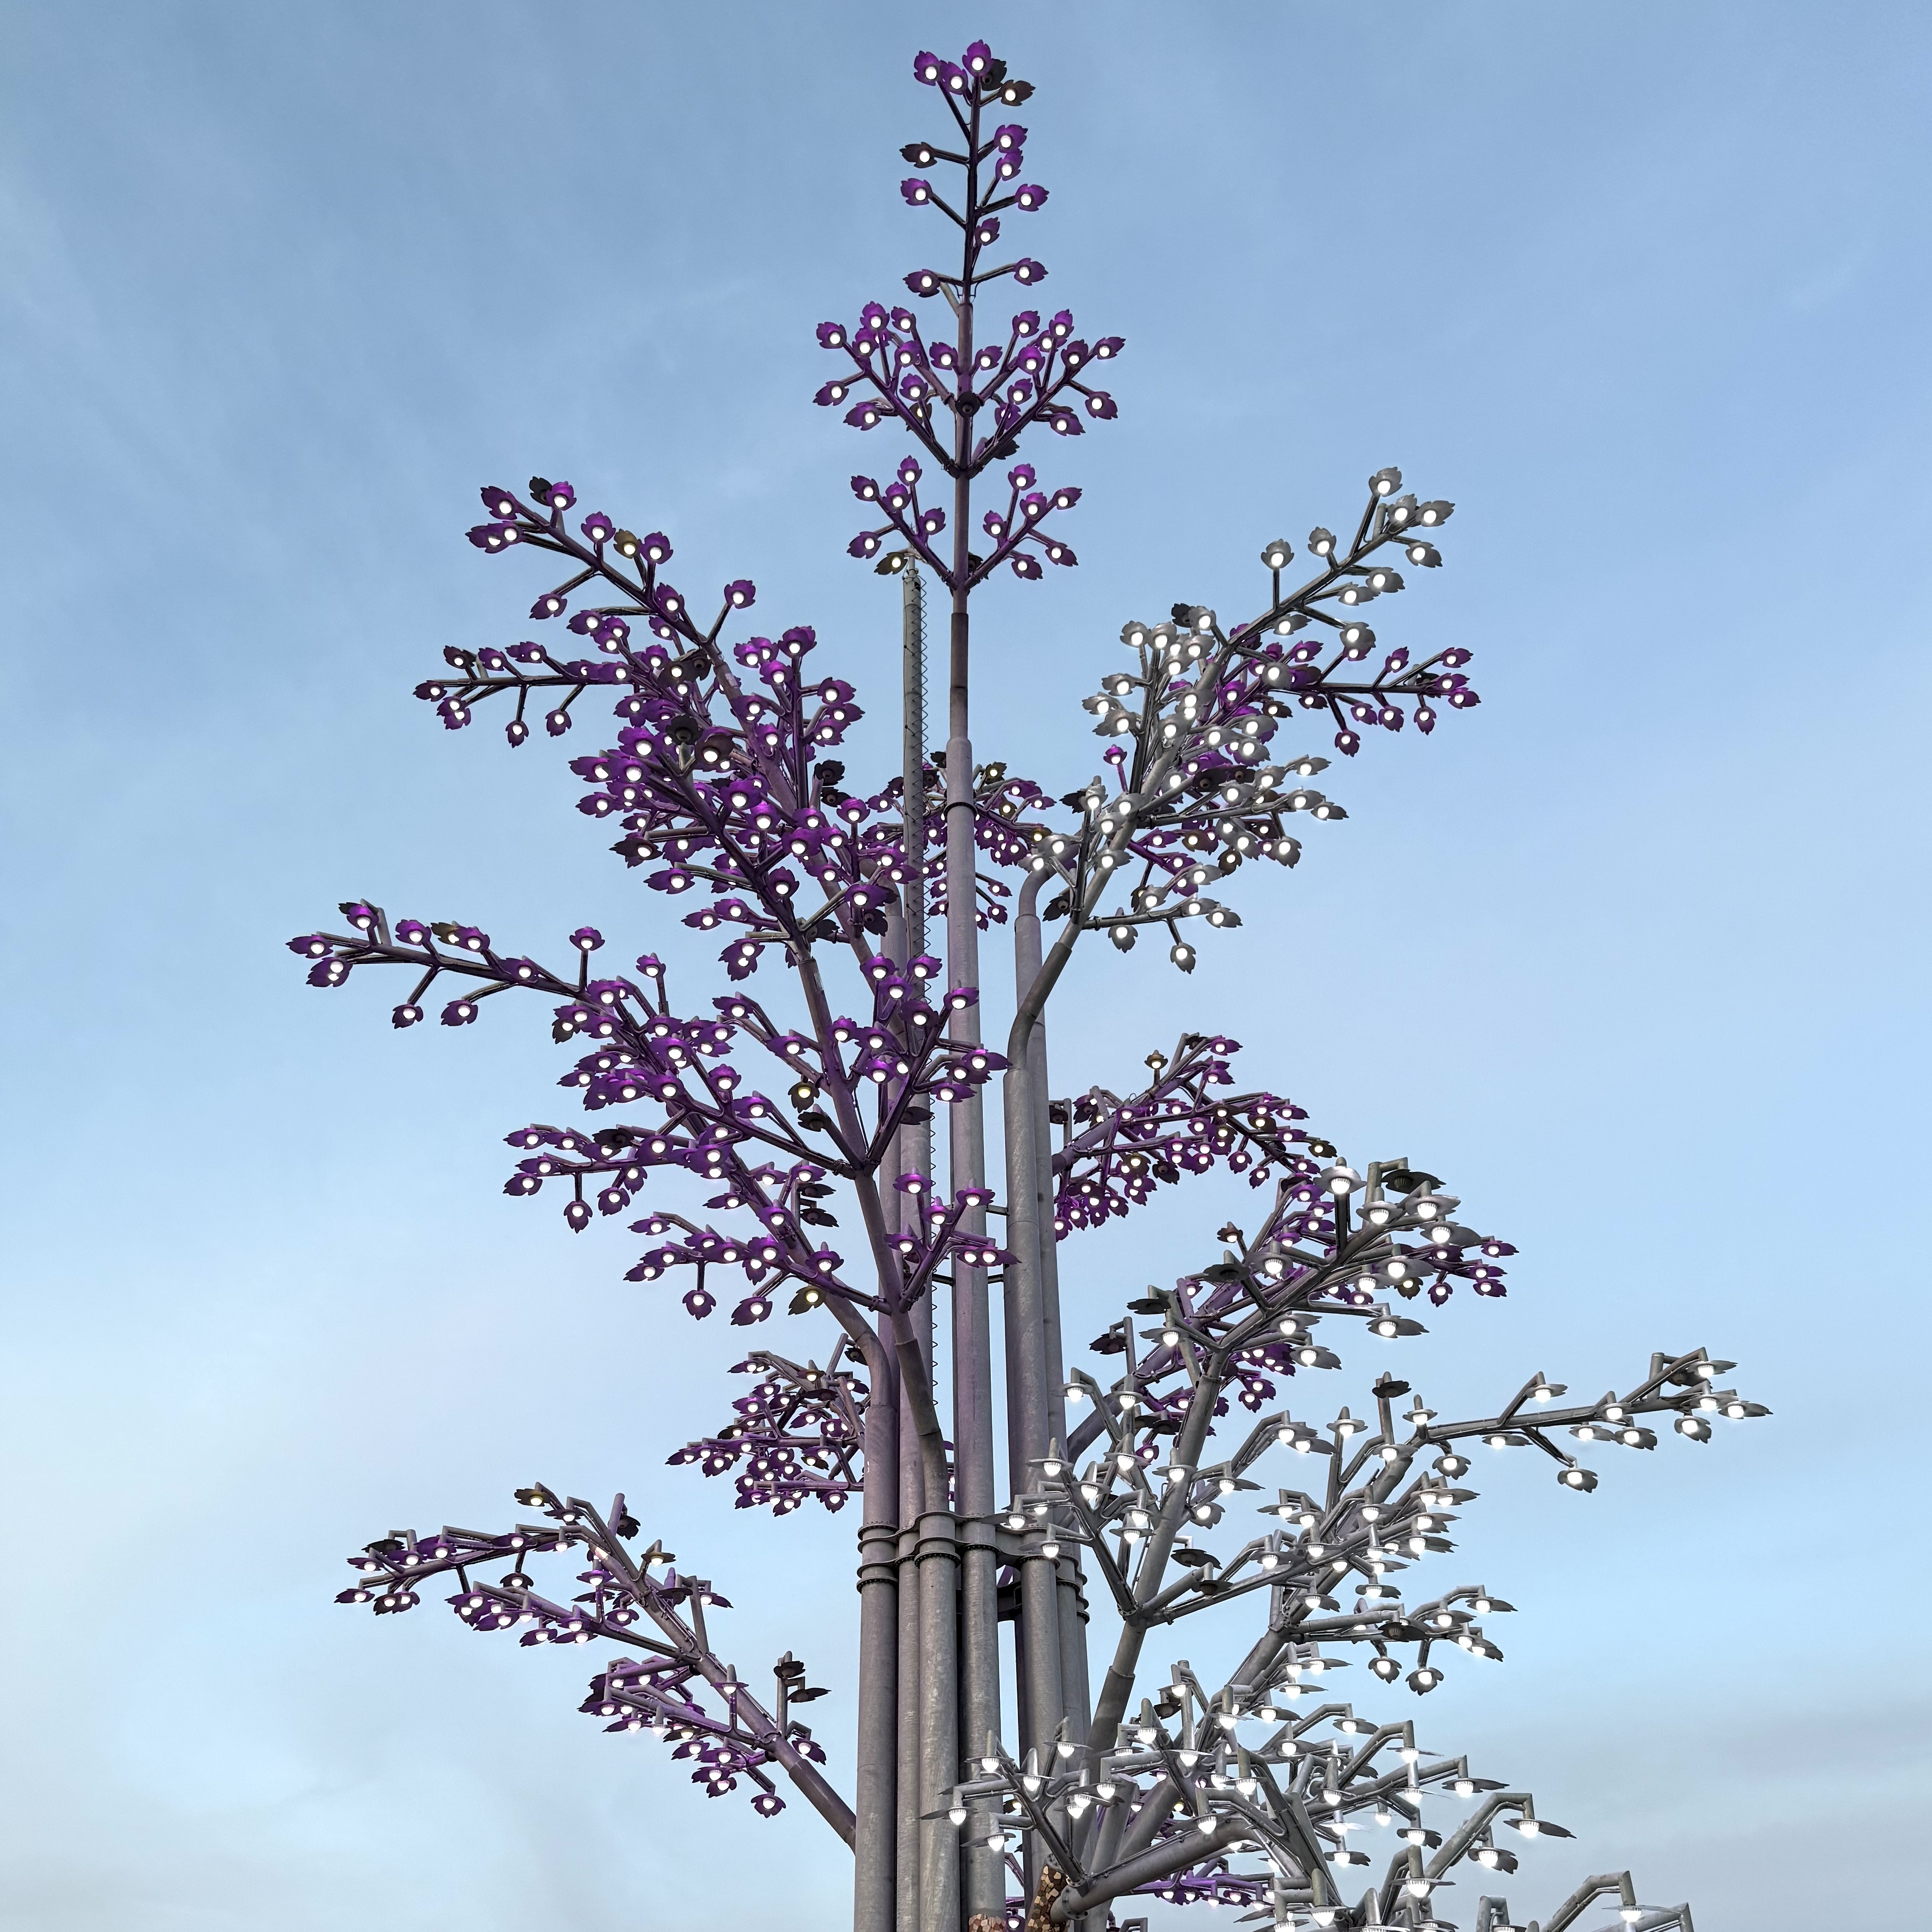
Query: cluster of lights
{"points": [[1392, 1492], [1297, 1796], [721, 782], [685, 1696], [708, 1123], [1195, 721], [795, 1438], [968, 396]]}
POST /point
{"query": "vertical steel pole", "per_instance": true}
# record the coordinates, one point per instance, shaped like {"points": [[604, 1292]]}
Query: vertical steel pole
{"points": [[912, 752], [1075, 1693], [973, 1390], [876, 1795], [978, 1686], [910, 1500], [912, 1153], [907, 1836], [937, 1557], [1029, 1409], [915, 1147]]}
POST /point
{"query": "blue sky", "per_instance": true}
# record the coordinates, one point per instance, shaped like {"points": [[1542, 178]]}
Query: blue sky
{"points": [[1633, 955]]}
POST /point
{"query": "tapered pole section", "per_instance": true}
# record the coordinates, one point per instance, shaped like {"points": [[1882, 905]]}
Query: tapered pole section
{"points": [[1029, 1413], [1074, 1696], [1054, 1344], [912, 760], [1075, 1701]]}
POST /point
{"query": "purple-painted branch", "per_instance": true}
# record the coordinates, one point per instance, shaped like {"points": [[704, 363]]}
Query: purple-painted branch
{"points": [[732, 1737]]}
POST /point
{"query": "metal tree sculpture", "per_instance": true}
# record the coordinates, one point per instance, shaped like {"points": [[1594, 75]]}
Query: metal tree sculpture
{"points": [[720, 778]]}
